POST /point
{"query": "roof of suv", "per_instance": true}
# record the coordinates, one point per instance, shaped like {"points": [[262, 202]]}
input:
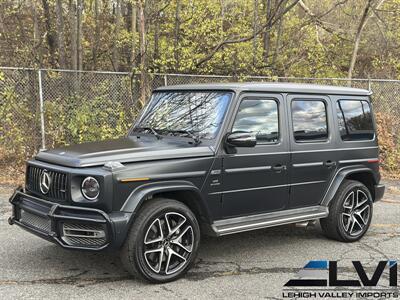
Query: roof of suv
{"points": [[281, 87]]}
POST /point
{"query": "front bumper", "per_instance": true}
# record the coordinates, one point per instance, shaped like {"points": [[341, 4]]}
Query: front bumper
{"points": [[71, 227], [379, 191]]}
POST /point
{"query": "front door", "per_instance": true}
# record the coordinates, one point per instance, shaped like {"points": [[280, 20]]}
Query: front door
{"points": [[255, 179]]}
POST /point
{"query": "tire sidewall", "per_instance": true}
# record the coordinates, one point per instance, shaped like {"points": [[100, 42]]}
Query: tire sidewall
{"points": [[353, 186], [142, 228]]}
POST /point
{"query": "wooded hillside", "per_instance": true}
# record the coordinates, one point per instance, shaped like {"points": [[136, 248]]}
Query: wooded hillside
{"points": [[325, 38]]}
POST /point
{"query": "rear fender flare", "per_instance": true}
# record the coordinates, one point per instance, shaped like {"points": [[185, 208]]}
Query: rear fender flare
{"points": [[337, 180]]}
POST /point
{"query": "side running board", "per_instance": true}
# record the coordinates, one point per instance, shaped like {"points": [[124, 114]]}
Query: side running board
{"points": [[240, 224]]}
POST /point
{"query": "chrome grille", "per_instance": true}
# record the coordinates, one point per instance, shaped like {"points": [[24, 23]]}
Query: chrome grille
{"points": [[38, 222], [58, 186], [84, 235]]}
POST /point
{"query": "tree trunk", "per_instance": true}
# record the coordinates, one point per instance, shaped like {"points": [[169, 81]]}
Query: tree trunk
{"points": [[96, 42], [363, 21], [133, 30], [176, 33], [37, 49], [72, 25], [222, 29], [255, 28], [115, 50], [266, 35], [3, 31], [60, 29], [278, 42], [156, 34], [50, 35], [79, 34], [143, 54]]}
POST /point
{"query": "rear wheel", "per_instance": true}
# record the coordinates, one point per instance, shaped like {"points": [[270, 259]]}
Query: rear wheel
{"points": [[350, 213], [163, 241]]}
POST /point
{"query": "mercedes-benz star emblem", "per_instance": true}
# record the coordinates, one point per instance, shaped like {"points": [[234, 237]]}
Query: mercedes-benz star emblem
{"points": [[45, 182]]}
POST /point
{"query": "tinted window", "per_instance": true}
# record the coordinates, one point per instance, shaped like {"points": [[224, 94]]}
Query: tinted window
{"points": [[309, 120], [355, 120], [259, 117]]}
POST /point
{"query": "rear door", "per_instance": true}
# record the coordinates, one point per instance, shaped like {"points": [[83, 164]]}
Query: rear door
{"points": [[255, 179], [313, 159]]}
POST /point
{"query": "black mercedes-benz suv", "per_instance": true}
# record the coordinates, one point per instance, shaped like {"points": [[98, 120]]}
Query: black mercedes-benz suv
{"points": [[210, 159]]}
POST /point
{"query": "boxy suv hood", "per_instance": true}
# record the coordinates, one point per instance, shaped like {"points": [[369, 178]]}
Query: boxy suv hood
{"points": [[128, 149]]}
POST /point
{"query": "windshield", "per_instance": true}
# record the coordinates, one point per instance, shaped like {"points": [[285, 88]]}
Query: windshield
{"points": [[196, 113]]}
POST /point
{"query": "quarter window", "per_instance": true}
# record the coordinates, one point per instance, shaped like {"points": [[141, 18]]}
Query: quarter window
{"points": [[309, 120], [258, 116], [355, 120]]}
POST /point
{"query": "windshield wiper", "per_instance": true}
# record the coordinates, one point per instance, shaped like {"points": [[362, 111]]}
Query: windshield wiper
{"points": [[151, 129], [195, 138]]}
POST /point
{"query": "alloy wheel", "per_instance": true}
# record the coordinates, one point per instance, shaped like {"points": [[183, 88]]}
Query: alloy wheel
{"points": [[168, 243], [356, 212]]}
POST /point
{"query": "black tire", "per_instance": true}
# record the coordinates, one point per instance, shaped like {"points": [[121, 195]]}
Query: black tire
{"points": [[338, 225], [148, 241]]}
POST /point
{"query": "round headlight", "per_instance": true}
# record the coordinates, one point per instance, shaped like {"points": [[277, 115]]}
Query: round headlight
{"points": [[90, 188]]}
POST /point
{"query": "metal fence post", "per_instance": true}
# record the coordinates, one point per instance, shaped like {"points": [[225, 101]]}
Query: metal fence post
{"points": [[165, 80], [369, 84], [41, 110]]}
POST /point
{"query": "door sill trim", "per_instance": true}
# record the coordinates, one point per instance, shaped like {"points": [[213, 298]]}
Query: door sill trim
{"points": [[283, 217]]}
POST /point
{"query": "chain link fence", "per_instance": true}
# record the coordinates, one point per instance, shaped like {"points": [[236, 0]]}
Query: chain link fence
{"points": [[48, 108]]}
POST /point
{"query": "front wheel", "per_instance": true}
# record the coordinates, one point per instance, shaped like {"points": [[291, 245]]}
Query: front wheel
{"points": [[163, 241], [350, 213]]}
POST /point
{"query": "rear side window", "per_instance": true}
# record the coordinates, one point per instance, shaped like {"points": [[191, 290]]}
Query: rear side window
{"points": [[259, 116], [309, 120], [355, 120]]}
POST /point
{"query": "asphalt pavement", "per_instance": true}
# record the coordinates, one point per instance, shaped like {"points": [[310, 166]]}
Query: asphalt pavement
{"points": [[249, 265]]}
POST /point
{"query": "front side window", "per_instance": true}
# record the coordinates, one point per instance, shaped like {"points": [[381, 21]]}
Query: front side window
{"points": [[188, 112], [355, 120], [309, 120], [258, 116]]}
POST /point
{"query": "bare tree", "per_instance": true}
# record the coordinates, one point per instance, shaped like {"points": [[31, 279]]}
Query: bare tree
{"points": [[60, 30], [156, 32], [117, 29], [130, 25], [317, 19], [278, 41], [50, 35], [266, 34], [143, 50], [96, 42], [371, 5], [222, 29], [276, 16], [73, 31], [2, 27], [255, 27], [79, 33], [37, 49], [177, 33], [133, 30]]}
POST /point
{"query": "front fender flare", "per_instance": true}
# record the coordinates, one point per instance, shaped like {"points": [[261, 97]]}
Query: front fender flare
{"points": [[337, 180], [139, 194]]}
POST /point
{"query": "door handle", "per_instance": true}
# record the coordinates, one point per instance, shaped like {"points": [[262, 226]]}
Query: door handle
{"points": [[279, 168], [330, 163]]}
